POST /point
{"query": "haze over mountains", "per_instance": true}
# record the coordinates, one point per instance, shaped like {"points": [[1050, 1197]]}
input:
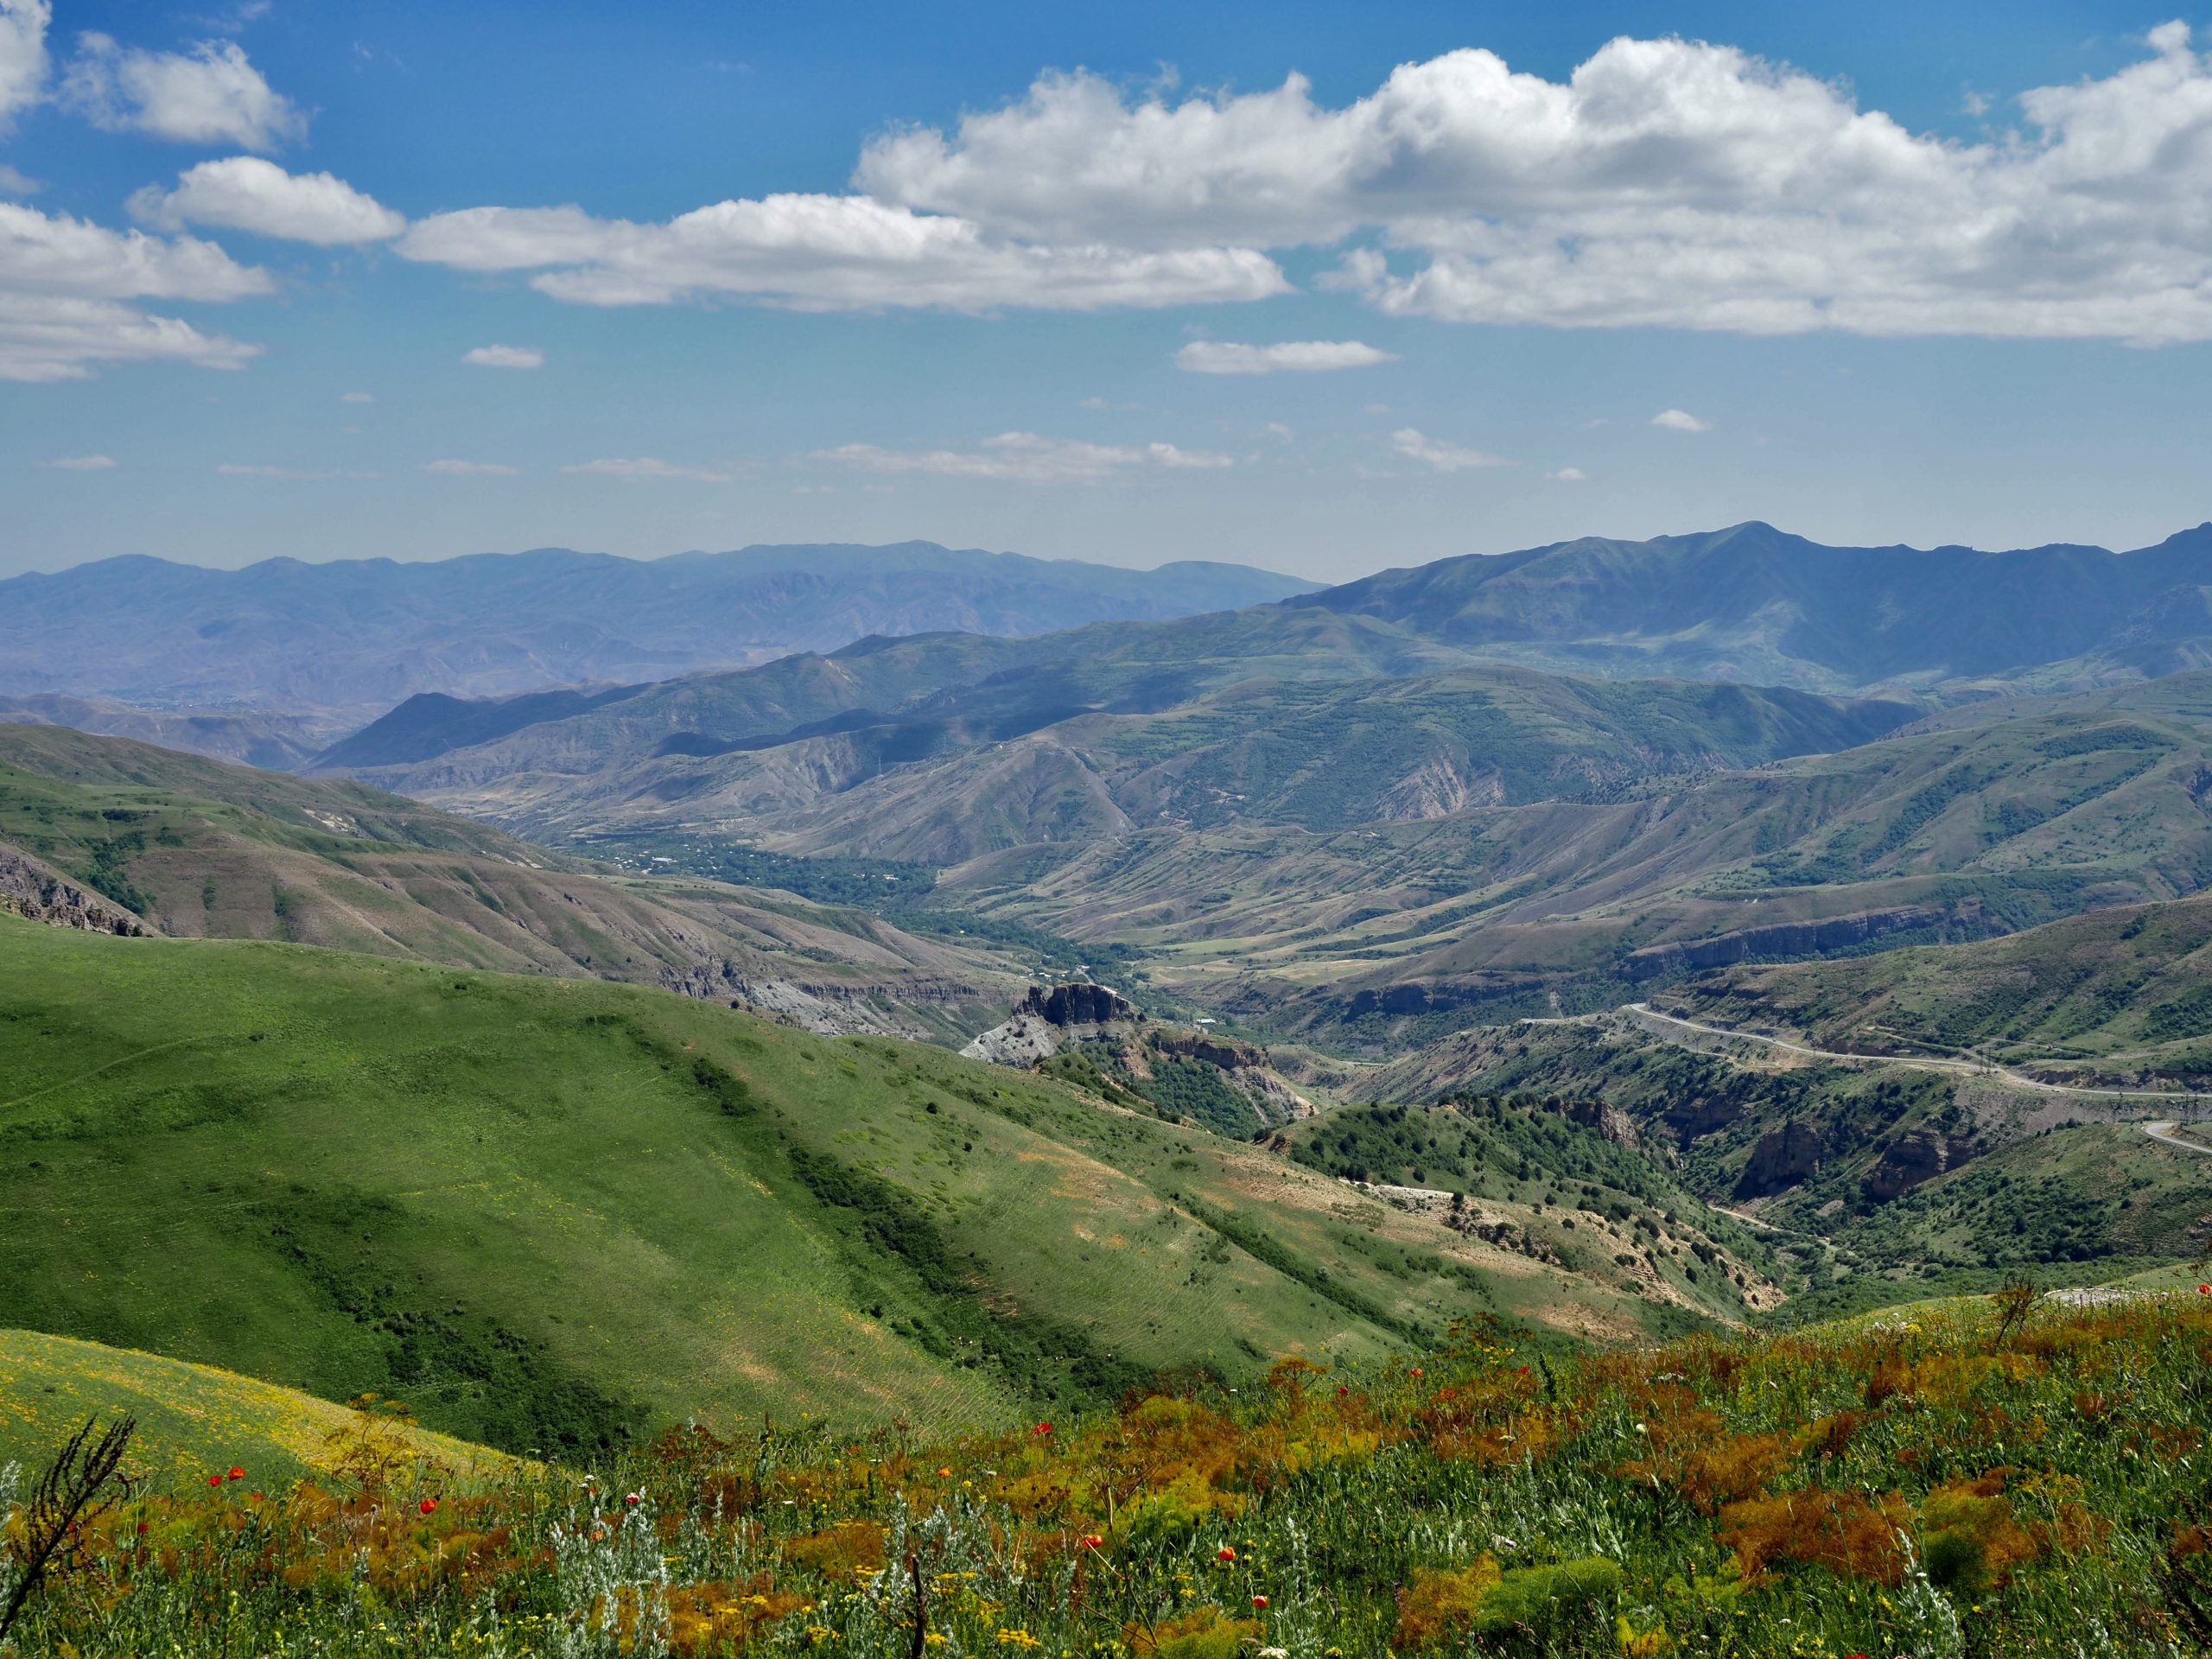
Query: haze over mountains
{"points": [[346, 639]]}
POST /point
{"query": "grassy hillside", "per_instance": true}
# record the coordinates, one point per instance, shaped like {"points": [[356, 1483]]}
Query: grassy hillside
{"points": [[202, 850], [549, 1212], [1958, 1479], [2122, 995], [196, 1420]]}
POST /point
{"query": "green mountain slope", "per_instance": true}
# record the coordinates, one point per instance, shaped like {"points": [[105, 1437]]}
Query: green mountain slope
{"points": [[200, 849], [2121, 995], [1985, 821], [546, 1212]]}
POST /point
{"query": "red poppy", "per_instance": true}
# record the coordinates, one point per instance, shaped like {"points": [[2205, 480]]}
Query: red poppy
{"points": [[1416, 1370], [1260, 1602], [2204, 1290], [1042, 1428], [143, 1528], [1224, 1554], [428, 1506], [633, 1497], [1092, 1541], [214, 1480], [236, 1473], [256, 1497]]}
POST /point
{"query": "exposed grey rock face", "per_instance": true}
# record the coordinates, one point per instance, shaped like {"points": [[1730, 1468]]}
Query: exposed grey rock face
{"points": [[1021, 1042], [1078, 1004], [1050, 1021], [30, 888]]}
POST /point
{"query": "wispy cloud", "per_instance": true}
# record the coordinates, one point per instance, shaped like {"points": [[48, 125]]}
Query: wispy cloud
{"points": [[239, 469], [504, 357], [1680, 420], [643, 467], [80, 463], [470, 469], [1024, 457], [1295, 356], [1442, 456]]}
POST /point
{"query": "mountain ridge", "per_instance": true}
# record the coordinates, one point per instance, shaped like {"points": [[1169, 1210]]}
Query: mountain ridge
{"points": [[349, 638]]}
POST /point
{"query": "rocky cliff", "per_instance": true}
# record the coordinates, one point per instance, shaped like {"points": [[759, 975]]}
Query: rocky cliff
{"points": [[33, 889]]}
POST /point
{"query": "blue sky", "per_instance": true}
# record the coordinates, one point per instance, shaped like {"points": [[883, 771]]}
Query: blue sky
{"points": [[1917, 273]]}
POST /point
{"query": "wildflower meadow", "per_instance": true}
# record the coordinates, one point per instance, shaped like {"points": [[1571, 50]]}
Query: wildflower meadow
{"points": [[1993, 1477]]}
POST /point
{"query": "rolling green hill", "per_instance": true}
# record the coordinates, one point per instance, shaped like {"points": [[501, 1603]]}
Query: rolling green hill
{"points": [[195, 1420], [202, 850], [549, 1212]]}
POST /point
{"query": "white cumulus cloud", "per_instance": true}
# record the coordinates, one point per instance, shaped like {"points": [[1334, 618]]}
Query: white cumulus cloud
{"points": [[209, 95], [825, 253], [470, 469], [504, 357], [248, 193], [80, 463], [1227, 356], [644, 468], [1442, 456], [22, 57], [1664, 182], [65, 289], [1680, 420], [1024, 457]]}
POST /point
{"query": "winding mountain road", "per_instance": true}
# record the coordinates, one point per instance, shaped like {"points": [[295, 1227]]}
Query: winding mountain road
{"points": [[1921, 1061], [2163, 1132]]}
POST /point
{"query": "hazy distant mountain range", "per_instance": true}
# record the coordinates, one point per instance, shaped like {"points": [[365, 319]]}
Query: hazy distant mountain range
{"points": [[338, 644], [348, 640]]}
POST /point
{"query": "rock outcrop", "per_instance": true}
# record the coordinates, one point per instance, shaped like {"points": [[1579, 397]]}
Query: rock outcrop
{"points": [[1079, 1003], [33, 889], [1782, 1158], [1050, 1021], [1916, 1156]]}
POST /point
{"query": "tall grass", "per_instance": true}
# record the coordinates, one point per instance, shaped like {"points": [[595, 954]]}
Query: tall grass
{"points": [[1933, 1484]]}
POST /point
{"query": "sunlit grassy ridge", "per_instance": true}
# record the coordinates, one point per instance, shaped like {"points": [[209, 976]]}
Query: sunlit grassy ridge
{"points": [[192, 1419], [1946, 1481]]}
